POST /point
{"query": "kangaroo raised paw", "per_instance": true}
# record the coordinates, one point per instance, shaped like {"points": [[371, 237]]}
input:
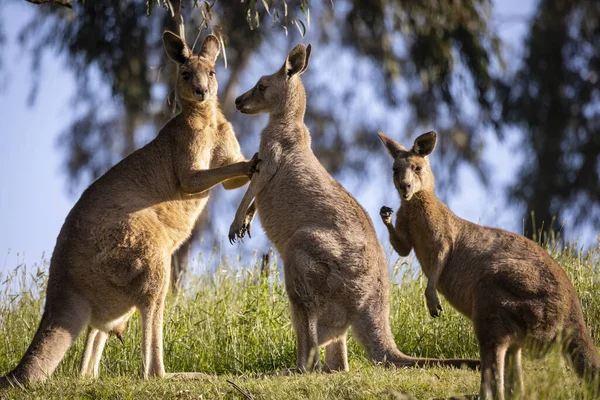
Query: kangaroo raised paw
{"points": [[386, 214], [238, 231], [247, 226], [253, 165], [434, 306]]}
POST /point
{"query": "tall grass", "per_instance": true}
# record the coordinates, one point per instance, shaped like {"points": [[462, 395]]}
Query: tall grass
{"points": [[235, 321]]}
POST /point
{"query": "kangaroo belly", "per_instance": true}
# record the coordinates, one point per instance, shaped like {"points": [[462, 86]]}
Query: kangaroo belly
{"points": [[178, 218]]}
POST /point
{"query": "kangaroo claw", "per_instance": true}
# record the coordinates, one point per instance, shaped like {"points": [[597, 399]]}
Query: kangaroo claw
{"points": [[237, 234]]}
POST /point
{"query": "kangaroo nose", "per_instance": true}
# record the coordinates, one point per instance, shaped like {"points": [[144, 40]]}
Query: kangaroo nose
{"points": [[405, 186], [238, 101], [200, 92]]}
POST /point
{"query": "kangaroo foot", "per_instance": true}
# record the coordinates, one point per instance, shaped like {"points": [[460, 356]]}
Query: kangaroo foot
{"points": [[188, 376], [283, 372]]}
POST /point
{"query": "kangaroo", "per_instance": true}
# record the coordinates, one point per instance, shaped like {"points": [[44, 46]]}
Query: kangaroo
{"points": [[113, 252], [335, 269], [507, 285]]}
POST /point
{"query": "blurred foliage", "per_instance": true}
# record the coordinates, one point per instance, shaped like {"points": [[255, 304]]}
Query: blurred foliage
{"points": [[396, 65], [555, 98], [410, 54], [416, 49]]}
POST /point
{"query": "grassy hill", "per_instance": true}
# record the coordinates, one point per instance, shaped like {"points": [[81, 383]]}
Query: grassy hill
{"points": [[233, 325]]}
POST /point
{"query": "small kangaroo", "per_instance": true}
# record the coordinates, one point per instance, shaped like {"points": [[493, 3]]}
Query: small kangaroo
{"points": [[508, 286], [336, 272], [113, 252]]}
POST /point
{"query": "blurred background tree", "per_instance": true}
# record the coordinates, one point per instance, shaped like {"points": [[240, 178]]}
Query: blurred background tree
{"points": [[399, 66], [555, 99]]}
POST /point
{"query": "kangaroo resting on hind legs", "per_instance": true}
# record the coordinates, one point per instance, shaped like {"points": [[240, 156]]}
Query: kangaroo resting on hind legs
{"points": [[336, 272], [507, 285], [113, 253]]}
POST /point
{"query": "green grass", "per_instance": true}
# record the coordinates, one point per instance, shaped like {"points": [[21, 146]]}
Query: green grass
{"points": [[234, 325]]}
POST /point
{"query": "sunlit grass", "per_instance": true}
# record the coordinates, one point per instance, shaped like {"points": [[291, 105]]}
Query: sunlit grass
{"points": [[234, 324]]}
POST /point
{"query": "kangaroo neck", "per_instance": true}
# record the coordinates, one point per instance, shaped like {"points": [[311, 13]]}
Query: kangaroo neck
{"points": [[425, 209], [290, 133], [198, 115], [293, 110]]}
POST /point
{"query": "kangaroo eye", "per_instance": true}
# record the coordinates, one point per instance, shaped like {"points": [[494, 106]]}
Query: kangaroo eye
{"points": [[262, 88], [212, 73], [186, 75], [418, 169], [395, 170]]}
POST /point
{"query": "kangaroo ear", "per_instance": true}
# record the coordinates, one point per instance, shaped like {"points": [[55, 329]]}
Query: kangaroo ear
{"points": [[296, 61], [307, 59], [425, 144], [393, 147], [210, 48], [175, 47]]}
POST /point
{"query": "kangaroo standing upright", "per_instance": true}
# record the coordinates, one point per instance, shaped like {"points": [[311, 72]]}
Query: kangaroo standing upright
{"points": [[336, 272], [510, 288], [113, 253]]}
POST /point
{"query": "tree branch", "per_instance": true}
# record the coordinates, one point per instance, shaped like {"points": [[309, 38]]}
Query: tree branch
{"points": [[64, 3], [175, 9]]}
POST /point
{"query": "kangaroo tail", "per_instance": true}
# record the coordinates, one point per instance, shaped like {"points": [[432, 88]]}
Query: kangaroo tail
{"points": [[372, 330], [64, 318], [580, 349], [407, 361]]}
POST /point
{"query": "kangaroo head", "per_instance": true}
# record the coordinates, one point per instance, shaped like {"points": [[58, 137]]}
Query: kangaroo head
{"points": [[197, 80], [278, 92], [412, 172]]}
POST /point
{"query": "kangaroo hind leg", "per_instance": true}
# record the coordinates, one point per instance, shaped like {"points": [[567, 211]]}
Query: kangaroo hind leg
{"points": [[92, 353], [336, 355], [513, 373], [307, 345], [492, 370], [152, 313]]}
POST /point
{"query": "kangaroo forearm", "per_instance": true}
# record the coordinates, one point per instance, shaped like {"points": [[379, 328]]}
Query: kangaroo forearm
{"points": [[235, 182], [246, 202], [251, 211], [399, 242], [436, 265], [202, 180]]}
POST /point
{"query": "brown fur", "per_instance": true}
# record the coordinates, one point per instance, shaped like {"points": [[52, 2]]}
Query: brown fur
{"points": [[506, 284], [113, 253], [335, 268]]}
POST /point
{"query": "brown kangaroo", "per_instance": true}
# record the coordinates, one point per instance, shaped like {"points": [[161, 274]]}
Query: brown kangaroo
{"points": [[336, 272], [113, 252], [508, 286]]}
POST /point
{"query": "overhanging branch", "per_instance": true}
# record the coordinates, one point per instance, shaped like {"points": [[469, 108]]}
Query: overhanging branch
{"points": [[64, 3]]}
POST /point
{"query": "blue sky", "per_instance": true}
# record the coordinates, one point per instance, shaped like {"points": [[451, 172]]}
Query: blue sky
{"points": [[34, 200]]}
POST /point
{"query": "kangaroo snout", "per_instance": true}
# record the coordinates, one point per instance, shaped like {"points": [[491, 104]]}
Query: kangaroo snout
{"points": [[238, 103], [404, 189], [404, 186], [200, 92]]}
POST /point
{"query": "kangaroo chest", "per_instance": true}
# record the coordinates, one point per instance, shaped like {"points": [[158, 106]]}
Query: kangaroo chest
{"points": [[420, 235], [430, 230], [179, 216]]}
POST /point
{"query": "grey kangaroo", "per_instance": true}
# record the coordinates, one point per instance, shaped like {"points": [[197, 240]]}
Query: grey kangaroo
{"points": [[335, 268], [113, 253], [507, 285]]}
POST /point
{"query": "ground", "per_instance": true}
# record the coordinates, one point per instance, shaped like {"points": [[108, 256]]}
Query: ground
{"points": [[233, 325]]}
